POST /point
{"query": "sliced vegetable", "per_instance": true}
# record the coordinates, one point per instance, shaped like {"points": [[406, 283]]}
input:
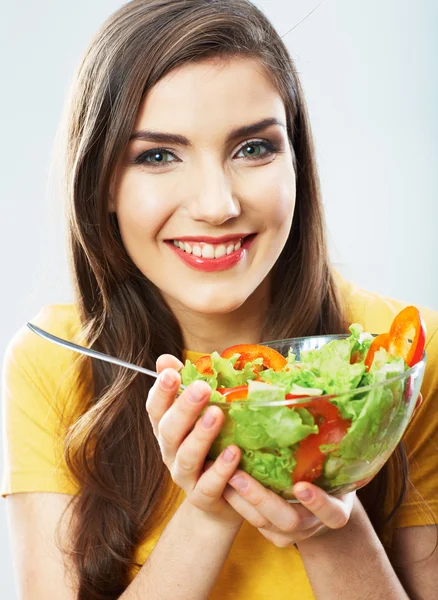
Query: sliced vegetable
{"points": [[203, 365], [249, 352], [310, 459], [406, 338], [239, 392], [322, 410]]}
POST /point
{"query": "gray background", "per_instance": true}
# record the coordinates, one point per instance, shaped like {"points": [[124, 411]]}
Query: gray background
{"points": [[369, 70]]}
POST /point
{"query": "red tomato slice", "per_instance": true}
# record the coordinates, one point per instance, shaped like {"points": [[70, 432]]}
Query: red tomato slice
{"points": [[239, 392], [310, 459], [407, 325], [203, 365]]}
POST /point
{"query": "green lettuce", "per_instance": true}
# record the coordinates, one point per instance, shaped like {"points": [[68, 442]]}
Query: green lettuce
{"points": [[271, 469], [366, 438], [270, 427]]}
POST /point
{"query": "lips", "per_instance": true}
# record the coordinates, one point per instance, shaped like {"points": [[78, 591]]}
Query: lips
{"points": [[203, 255]]}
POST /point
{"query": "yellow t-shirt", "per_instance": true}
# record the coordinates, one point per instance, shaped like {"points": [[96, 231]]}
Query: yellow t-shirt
{"points": [[37, 376]]}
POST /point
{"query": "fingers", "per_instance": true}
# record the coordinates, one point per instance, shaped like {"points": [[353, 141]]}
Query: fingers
{"points": [[190, 457], [168, 361], [213, 481], [180, 419], [246, 510], [162, 395], [333, 512], [273, 511]]}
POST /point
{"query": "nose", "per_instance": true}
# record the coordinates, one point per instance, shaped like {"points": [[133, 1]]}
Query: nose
{"points": [[212, 199]]}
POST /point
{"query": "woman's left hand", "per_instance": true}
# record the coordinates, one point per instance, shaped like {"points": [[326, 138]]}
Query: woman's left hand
{"points": [[283, 523]]}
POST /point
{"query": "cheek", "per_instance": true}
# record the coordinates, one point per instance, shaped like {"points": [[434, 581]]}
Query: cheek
{"points": [[273, 196], [141, 208]]}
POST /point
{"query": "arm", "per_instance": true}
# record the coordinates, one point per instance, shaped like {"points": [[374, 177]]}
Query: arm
{"points": [[416, 560], [191, 538], [350, 563], [187, 559]]}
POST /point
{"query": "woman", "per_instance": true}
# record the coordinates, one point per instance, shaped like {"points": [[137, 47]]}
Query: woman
{"points": [[188, 135]]}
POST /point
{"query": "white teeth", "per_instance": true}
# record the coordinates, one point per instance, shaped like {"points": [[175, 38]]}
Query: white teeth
{"points": [[207, 251], [220, 251]]}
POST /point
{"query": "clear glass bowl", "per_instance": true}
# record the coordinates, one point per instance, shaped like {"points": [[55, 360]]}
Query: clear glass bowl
{"points": [[346, 471]]}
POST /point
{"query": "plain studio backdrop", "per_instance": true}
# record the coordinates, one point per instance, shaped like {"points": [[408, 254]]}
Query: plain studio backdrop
{"points": [[369, 70]]}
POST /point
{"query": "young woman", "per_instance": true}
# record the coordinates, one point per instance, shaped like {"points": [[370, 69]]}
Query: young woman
{"points": [[187, 135]]}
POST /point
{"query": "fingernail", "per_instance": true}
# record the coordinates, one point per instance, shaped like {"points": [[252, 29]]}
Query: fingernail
{"points": [[305, 495], [208, 419], [240, 483], [228, 455], [196, 392], [167, 381]]}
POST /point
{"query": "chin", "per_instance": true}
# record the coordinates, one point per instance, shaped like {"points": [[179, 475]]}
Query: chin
{"points": [[213, 304]]}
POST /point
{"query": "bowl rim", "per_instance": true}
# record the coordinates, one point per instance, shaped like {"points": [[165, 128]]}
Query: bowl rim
{"points": [[305, 399]]}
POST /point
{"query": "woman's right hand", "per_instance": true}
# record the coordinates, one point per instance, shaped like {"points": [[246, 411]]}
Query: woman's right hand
{"points": [[185, 440]]}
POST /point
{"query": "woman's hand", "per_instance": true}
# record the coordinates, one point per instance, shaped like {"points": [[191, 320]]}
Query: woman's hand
{"points": [[185, 439], [282, 523]]}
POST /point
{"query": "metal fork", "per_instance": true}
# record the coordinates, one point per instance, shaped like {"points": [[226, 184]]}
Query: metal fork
{"points": [[93, 353]]}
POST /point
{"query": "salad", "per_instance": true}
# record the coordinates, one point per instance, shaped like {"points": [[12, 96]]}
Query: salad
{"points": [[322, 417]]}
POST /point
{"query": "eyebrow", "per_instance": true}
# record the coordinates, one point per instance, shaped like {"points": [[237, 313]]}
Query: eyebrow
{"points": [[173, 138]]}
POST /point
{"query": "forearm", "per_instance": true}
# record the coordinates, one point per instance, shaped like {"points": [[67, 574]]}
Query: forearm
{"points": [[186, 560], [350, 563]]}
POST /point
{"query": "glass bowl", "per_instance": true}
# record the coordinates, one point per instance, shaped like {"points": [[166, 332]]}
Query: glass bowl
{"points": [[348, 465]]}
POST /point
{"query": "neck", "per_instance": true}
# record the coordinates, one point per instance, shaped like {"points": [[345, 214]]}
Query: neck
{"points": [[209, 332]]}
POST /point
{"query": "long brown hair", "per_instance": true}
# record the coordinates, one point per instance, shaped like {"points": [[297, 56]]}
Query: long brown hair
{"points": [[110, 448]]}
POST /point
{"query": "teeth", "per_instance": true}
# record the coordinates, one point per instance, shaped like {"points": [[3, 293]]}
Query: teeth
{"points": [[208, 250], [220, 251]]}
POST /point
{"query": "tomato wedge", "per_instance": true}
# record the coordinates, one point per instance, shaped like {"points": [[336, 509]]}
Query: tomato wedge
{"points": [[406, 338], [239, 392], [321, 409], [249, 352], [310, 459]]}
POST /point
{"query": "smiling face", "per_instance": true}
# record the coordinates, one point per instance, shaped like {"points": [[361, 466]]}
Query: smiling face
{"points": [[206, 192]]}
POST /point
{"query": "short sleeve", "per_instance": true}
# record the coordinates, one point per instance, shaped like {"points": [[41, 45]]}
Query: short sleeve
{"points": [[37, 379]]}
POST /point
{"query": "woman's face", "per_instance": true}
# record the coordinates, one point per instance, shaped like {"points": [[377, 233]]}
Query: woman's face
{"points": [[206, 192]]}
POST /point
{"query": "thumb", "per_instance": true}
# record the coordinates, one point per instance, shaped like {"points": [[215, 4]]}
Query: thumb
{"points": [[168, 361]]}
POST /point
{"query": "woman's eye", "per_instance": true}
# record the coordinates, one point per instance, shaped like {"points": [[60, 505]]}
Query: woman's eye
{"points": [[253, 150], [155, 158]]}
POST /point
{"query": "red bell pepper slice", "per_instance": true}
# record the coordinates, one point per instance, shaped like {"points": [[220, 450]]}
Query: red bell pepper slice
{"points": [[407, 325], [249, 352], [239, 392], [203, 365]]}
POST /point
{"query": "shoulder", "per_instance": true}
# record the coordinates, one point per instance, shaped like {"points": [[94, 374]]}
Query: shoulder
{"points": [[34, 365], [60, 319]]}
